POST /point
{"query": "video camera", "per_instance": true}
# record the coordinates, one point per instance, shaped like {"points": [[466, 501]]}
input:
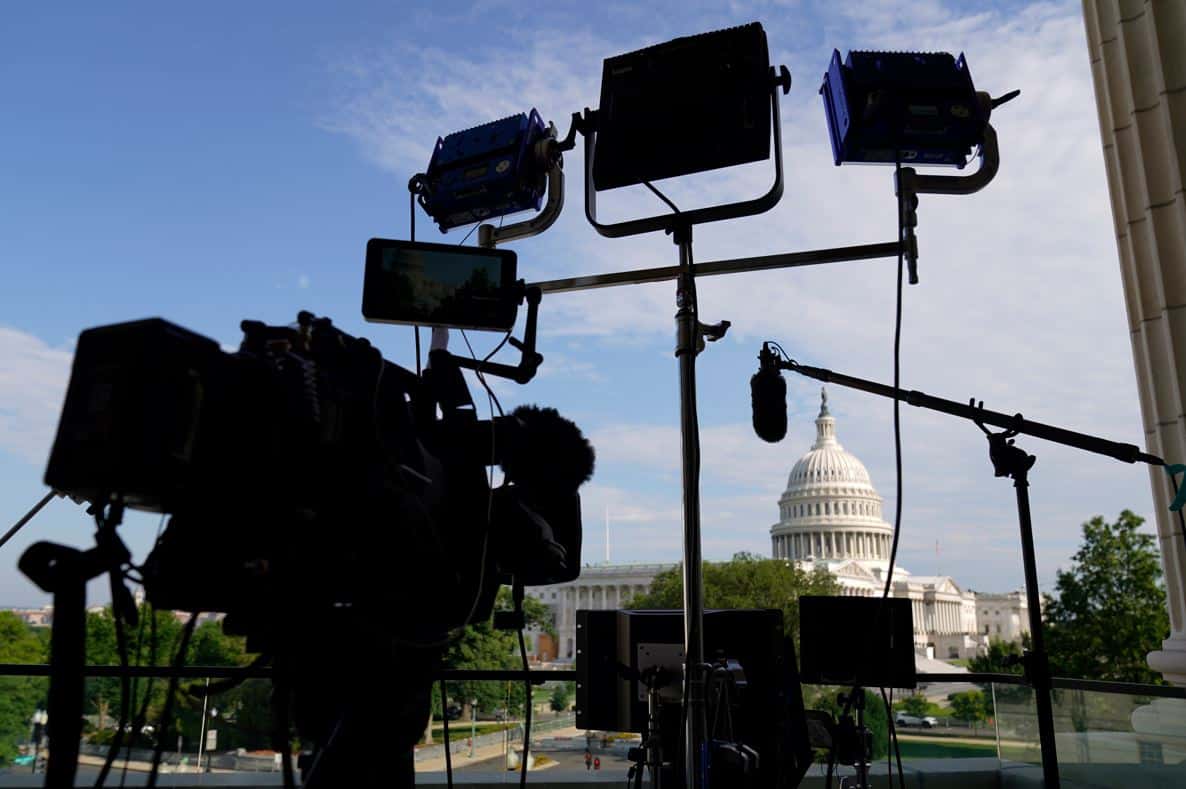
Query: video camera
{"points": [[310, 480]]}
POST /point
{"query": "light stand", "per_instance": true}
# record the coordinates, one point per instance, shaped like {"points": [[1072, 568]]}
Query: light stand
{"points": [[856, 741], [1011, 461], [690, 338]]}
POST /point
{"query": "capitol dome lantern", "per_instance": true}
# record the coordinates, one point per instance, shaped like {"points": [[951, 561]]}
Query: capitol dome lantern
{"points": [[830, 510]]}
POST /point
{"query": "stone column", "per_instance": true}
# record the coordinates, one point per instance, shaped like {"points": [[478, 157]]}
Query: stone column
{"points": [[1137, 50]]}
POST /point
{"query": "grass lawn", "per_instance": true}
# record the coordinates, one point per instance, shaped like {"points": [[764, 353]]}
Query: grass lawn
{"points": [[459, 731], [932, 749]]}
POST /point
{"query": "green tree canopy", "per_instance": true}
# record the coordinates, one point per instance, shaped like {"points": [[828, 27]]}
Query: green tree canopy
{"points": [[916, 705], [19, 696], [1003, 657], [480, 646], [1108, 611], [747, 581], [561, 697], [970, 706]]}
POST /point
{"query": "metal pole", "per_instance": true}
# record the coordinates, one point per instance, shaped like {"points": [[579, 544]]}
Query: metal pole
{"points": [[28, 516], [812, 257], [1037, 661], [687, 337]]}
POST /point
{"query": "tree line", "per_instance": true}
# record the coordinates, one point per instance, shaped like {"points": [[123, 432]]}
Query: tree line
{"points": [[1106, 614]]}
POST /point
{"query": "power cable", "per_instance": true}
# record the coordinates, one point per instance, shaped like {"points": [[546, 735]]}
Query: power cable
{"points": [[893, 737], [661, 196], [889, 576], [166, 713], [412, 238], [135, 687], [445, 718], [527, 713], [125, 701], [468, 234]]}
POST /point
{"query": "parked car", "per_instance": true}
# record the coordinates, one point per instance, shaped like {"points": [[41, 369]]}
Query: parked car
{"points": [[453, 712], [925, 722]]}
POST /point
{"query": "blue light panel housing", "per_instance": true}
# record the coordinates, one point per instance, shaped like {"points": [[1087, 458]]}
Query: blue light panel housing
{"points": [[912, 107], [486, 172]]}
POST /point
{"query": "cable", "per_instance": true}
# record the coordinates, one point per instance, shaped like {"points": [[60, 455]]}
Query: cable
{"points": [[481, 377], [136, 727], [889, 576], [491, 399], [417, 328], [893, 736], [445, 718], [412, 238], [527, 712], [163, 730], [28, 516], [333, 735], [467, 235], [125, 701], [661, 196], [141, 716]]}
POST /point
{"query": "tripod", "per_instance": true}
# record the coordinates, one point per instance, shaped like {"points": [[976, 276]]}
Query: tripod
{"points": [[852, 742]]}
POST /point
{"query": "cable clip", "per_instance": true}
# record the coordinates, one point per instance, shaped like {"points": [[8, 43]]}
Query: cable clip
{"points": [[1180, 498]]}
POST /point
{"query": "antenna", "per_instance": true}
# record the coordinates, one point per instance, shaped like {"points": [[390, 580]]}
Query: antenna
{"points": [[607, 534]]}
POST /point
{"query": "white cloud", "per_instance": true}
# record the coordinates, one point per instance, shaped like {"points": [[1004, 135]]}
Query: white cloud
{"points": [[33, 377], [303, 281]]}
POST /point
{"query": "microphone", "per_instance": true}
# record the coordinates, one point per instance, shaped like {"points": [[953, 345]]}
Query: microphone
{"points": [[768, 396]]}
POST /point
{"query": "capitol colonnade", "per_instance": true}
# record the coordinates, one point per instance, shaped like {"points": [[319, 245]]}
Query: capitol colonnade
{"points": [[601, 587]]}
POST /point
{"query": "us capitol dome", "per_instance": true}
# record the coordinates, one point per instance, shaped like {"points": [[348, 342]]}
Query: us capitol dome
{"points": [[830, 518], [830, 510]]}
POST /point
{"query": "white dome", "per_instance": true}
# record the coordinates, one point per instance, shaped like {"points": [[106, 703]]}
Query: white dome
{"points": [[830, 509]]}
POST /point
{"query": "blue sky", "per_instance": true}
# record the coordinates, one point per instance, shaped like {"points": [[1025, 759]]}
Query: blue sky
{"points": [[212, 163]]}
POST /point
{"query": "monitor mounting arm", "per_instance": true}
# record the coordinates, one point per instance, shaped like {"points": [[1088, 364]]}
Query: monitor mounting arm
{"points": [[529, 361]]}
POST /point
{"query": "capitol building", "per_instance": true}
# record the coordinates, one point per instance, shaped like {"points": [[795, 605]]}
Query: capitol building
{"points": [[830, 517]]}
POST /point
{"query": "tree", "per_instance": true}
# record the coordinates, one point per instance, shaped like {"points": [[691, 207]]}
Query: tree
{"points": [[560, 698], [1108, 611], [19, 696], [480, 646], [970, 706], [916, 705], [747, 581], [1003, 657]]}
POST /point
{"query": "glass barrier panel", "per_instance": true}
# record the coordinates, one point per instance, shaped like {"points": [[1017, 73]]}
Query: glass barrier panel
{"points": [[1015, 714], [486, 723], [1120, 740]]}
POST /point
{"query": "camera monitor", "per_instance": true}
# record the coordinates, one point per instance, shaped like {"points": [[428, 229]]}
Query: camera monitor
{"points": [[440, 285], [866, 641]]}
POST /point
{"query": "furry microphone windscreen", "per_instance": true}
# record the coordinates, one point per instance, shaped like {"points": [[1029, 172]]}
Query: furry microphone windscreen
{"points": [[549, 452]]}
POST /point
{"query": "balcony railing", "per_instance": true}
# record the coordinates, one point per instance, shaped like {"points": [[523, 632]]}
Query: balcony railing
{"points": [[1108, 734]]}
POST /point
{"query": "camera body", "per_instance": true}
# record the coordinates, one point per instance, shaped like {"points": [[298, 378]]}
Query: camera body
{"points": [[306, 474]]}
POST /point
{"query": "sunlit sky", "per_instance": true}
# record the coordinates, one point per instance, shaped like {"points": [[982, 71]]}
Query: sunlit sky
{"points": [[213, 162]]}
